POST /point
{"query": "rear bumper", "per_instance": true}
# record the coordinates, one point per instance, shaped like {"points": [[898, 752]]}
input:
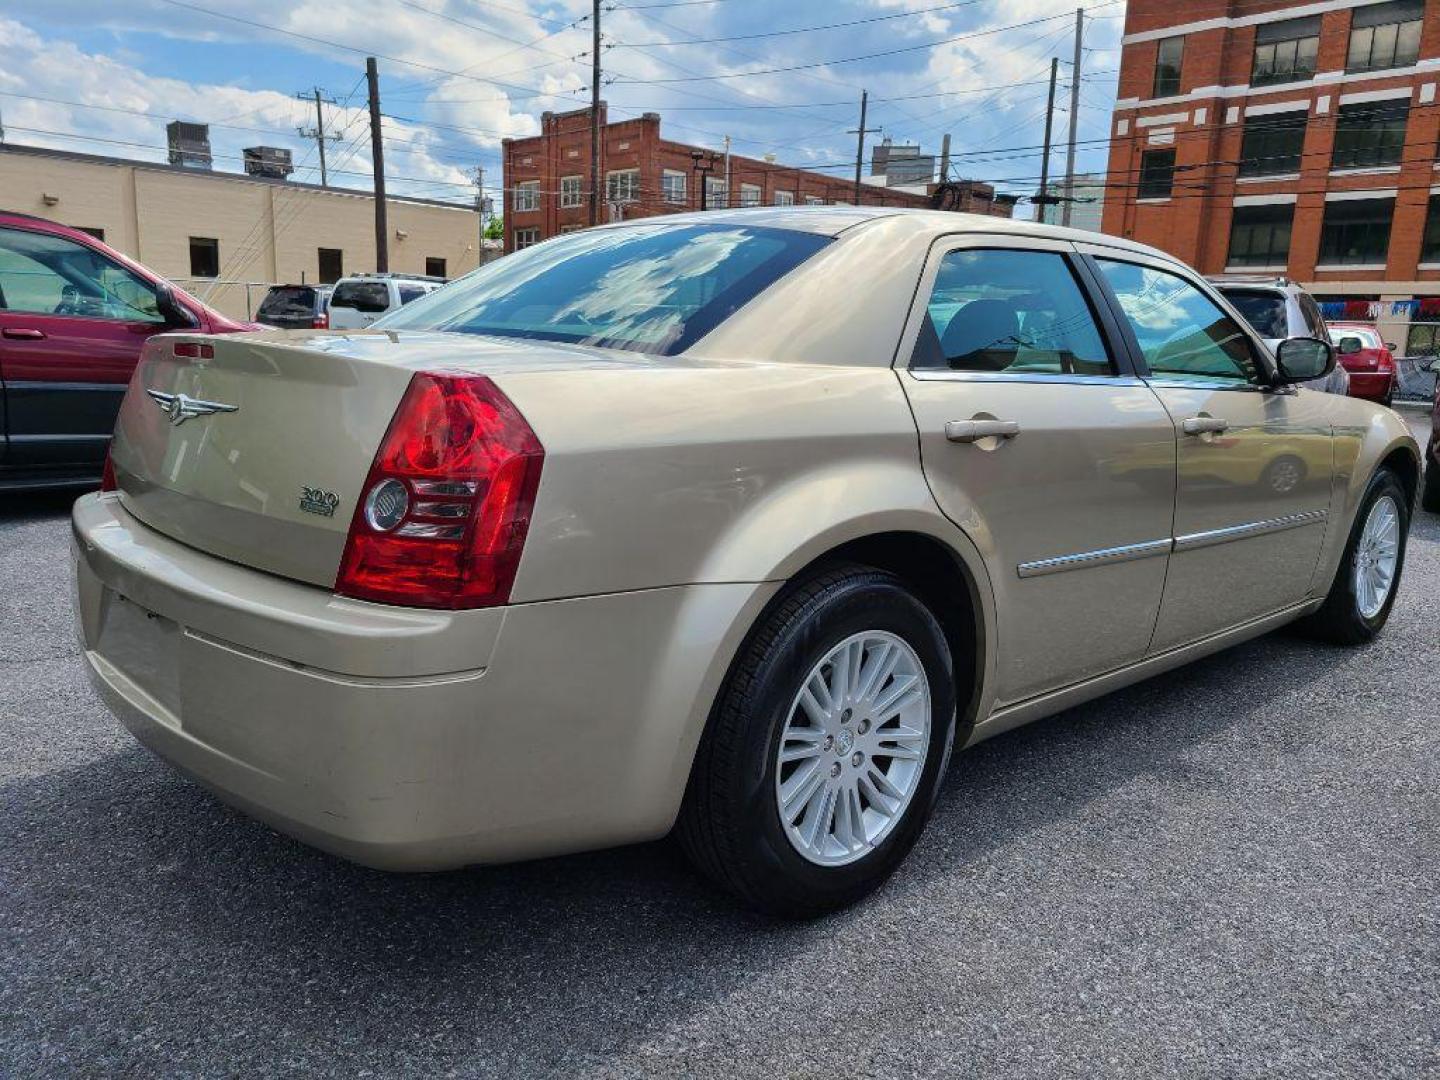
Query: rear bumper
{"points": [[404, 739], [1372, 385]]}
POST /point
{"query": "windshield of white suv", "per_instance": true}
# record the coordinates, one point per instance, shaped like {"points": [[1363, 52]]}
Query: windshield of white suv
{"points": [[655, 288], [1263, 310]]}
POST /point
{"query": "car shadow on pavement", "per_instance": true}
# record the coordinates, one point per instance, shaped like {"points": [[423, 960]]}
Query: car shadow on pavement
{"points": [[161, 895]]}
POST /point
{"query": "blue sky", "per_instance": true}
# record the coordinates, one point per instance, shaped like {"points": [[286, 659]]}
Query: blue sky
{"points": [[458, 75]]}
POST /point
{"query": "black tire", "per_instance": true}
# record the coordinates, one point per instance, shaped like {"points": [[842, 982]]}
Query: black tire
{"points": [[1430, 492], [1339, 621], [730, 823]]}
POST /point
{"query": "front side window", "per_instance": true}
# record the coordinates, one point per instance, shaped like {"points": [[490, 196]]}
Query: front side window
{"points": [[1260, 235], [1167, 67], [1272, 145], [1369, 134], [1385, 35], [526, 237], [1180, 330], [1157, 174], [49, 275], [1356, 231], [569, 191], [622, 186], [650, 288], [672, 186], [527, 195], [1017, 312], [1285, 51]]}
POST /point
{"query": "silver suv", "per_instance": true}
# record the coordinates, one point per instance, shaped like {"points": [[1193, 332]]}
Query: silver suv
{"points": [[360, 299], [1279, 309]]}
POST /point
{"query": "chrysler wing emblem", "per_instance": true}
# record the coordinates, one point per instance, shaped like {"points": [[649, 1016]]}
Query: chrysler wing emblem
{"points": [[179, 407]]}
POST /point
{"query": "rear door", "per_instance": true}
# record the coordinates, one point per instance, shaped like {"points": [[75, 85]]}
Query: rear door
{"points": [[1254, 463], [72, 324], [1042, 444]]}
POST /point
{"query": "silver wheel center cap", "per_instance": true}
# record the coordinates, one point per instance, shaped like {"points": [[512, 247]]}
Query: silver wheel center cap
{"points": [[844, 743]]}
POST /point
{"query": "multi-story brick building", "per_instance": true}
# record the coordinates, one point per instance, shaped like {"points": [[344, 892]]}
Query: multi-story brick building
{"points": [[1294, 137], [546, 179]]}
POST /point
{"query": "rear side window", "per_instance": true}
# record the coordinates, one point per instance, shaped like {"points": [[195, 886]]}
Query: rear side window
{"points": [[411, 292], [1265, 311], [1011, 311], [1180, 330], [288, 302], [653, 288], [367, 296]]}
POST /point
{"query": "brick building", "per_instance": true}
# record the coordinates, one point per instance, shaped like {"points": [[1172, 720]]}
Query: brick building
{"points": [[1266, 136], [546, 179]]}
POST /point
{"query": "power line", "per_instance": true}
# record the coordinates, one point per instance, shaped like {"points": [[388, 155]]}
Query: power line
{"points": [[796, 30]]}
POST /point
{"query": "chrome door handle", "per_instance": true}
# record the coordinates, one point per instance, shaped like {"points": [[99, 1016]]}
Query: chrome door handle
{"points": [[1200, 425], [23, 333], [969, 431]]}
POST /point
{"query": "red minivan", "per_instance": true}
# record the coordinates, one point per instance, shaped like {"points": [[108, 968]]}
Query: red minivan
{"points": [[73, 316]]}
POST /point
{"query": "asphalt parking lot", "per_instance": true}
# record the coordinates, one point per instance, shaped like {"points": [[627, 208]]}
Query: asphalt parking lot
{"points": [[1232, 870]]}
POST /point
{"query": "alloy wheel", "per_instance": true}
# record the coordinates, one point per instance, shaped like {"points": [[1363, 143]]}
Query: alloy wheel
{"points": [[1376, 555]]}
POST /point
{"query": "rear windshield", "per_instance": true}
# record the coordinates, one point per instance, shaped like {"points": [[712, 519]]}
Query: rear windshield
{"points": [[1265, 311], [288, 302], [367, 296], [655, 289], [1369, 339]]}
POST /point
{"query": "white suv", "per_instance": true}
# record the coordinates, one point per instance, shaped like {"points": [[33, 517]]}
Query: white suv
{"points": [[1278, 309], [360, 299]]}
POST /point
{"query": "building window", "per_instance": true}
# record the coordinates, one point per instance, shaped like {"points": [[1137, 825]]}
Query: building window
{"points": [[1370, 134], [1260, 235], [622, 186], [569, 192], [784, 198], [1157, 174], [1285, 51], [204, 257], [1430, 246], [717, 195], [750, 194], [527, 195], [672, 186], [814, 200], [332, 265], [1356, 231], [1385, 35], [1167, 67], [434, 267], [1272, 144], [525, 237], [90, 230]]}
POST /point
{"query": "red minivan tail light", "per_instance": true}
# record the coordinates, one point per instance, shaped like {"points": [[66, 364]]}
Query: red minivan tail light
{"points": [[443, 516]]}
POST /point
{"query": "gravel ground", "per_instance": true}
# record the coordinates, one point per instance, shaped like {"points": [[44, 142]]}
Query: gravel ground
{"points": [[1231, 870]]}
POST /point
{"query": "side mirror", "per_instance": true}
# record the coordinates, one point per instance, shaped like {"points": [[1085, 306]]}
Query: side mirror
{"points": [[1349, 345], [1390, 345], [175, 314], [1301, 359]]}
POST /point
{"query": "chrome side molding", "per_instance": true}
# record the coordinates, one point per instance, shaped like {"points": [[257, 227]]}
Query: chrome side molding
{"points": [[1191, 541], [1103, 557]]}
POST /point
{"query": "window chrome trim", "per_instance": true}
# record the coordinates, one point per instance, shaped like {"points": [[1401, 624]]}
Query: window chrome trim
{"points": [[947, 375], [1193, 541], [1178, 382], [1103, 557]]}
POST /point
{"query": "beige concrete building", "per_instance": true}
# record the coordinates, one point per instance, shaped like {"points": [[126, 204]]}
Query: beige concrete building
{"points": [[216, 233]]}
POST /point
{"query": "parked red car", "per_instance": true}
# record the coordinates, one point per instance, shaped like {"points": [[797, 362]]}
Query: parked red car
{"points": [[74, 315], [1371, 363]]}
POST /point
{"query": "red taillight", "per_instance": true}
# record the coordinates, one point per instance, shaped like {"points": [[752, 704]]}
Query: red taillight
{"points": [[107, 475], [195, 350], [443, 516], [321, 321]]}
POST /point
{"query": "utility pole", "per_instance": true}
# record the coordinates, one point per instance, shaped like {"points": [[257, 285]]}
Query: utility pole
{"points": [[318, 131], [480, 213], [945, 158], [859, 134], [729, 199], [377, 156], [1045, 157], [1074, 119], [704, 165], [595, 114]]}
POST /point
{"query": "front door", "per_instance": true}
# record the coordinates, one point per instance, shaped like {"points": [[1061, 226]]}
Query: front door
{"points": [[1254, 461], [72, 324], [1040, 442]]}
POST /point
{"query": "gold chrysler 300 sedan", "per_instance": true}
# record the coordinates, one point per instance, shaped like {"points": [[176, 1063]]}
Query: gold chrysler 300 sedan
{"points": [[732, 524]]}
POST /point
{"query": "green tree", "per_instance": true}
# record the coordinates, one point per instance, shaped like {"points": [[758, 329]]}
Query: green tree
{"points": [[495, 230]]}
